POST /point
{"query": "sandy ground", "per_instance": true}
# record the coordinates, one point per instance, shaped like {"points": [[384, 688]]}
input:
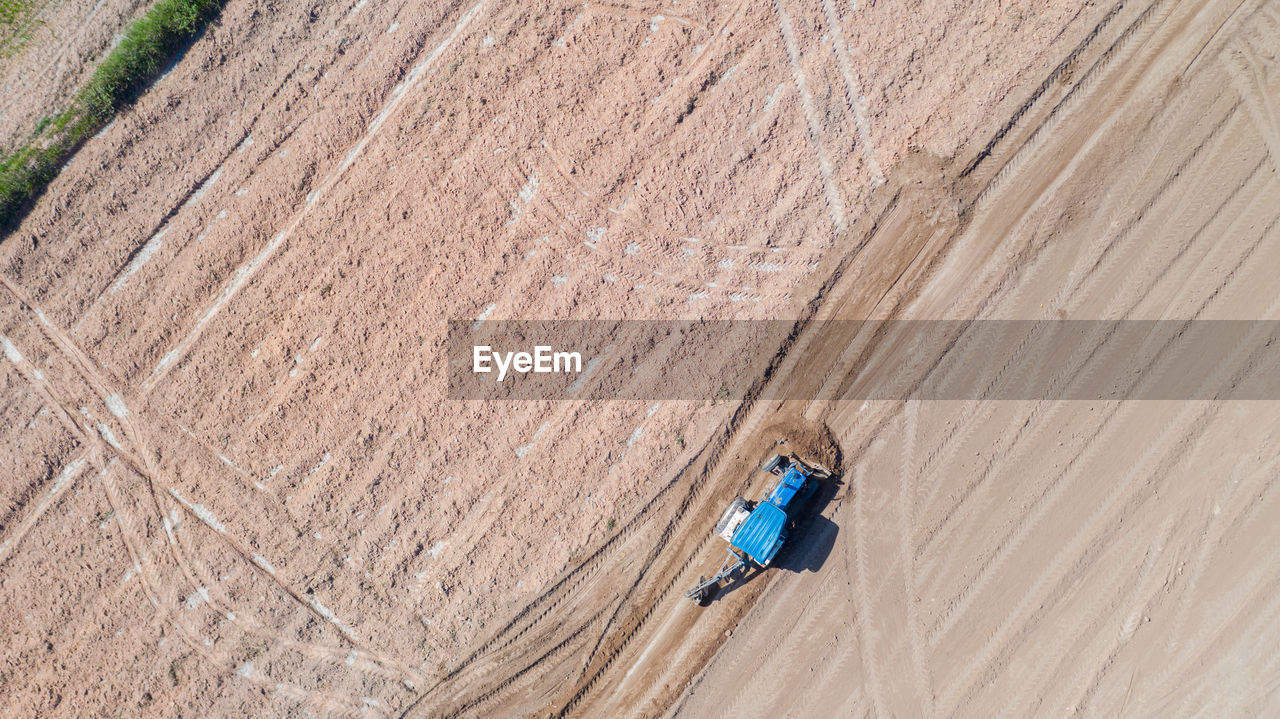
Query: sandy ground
{"points": [[239, 488]]}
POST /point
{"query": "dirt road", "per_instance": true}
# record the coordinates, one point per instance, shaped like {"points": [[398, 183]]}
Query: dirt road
{"points": [[240, 489]]}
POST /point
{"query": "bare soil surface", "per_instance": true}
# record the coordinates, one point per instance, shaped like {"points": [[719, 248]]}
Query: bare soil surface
{"points": [[239, 488]]}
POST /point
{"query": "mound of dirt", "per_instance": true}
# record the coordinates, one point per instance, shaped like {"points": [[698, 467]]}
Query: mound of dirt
{"points": [[811, 441]]}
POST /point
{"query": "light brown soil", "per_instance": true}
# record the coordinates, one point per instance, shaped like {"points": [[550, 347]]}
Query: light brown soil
{"points": [[240, 489]]}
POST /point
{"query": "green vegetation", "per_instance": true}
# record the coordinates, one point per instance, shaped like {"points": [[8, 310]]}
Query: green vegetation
{"points": [[12, 11], [151, 42], [17, 20]]}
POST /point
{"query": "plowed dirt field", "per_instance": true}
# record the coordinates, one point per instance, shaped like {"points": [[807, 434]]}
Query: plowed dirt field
{"points": [[234, 484]]}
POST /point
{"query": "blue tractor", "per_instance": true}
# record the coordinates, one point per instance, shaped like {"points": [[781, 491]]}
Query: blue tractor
{"points": [[756, 531]]}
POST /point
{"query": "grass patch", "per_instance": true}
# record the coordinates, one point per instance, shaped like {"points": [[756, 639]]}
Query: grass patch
{"points": [[13, 15], [148, 45], [12, 11], [17, 20]]}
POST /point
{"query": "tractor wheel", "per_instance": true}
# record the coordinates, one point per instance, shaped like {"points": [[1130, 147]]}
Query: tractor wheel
{"points": [[775, 464]]}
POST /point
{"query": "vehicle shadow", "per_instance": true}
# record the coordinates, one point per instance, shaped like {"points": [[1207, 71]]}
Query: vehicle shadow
{"points": [[808, 546], [814, 535]]}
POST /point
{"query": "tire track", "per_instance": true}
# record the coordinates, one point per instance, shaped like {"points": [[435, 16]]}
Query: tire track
{"points": [[56, 60], [1091, 276], [962, 429], [39, 380], [909, 494], [1054, 489], [1056, 115], [834, 204], [139, 256], [1181, 659], [1072, 646], [866, 634], [1145, 589], [246, 271], [694, 476], [566, 587], [1215, 527], [1246, 72], [1098, 532], [706, 463], [624, 253], [854, 98], [698, 67], [139, 463], [997, 647], [65, 478], [1052, 79], [1051, 120], [789, 644], [1255, 587], [1047, 498]]}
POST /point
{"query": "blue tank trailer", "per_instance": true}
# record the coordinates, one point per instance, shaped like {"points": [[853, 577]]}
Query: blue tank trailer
{"points": [[756, 531]]}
